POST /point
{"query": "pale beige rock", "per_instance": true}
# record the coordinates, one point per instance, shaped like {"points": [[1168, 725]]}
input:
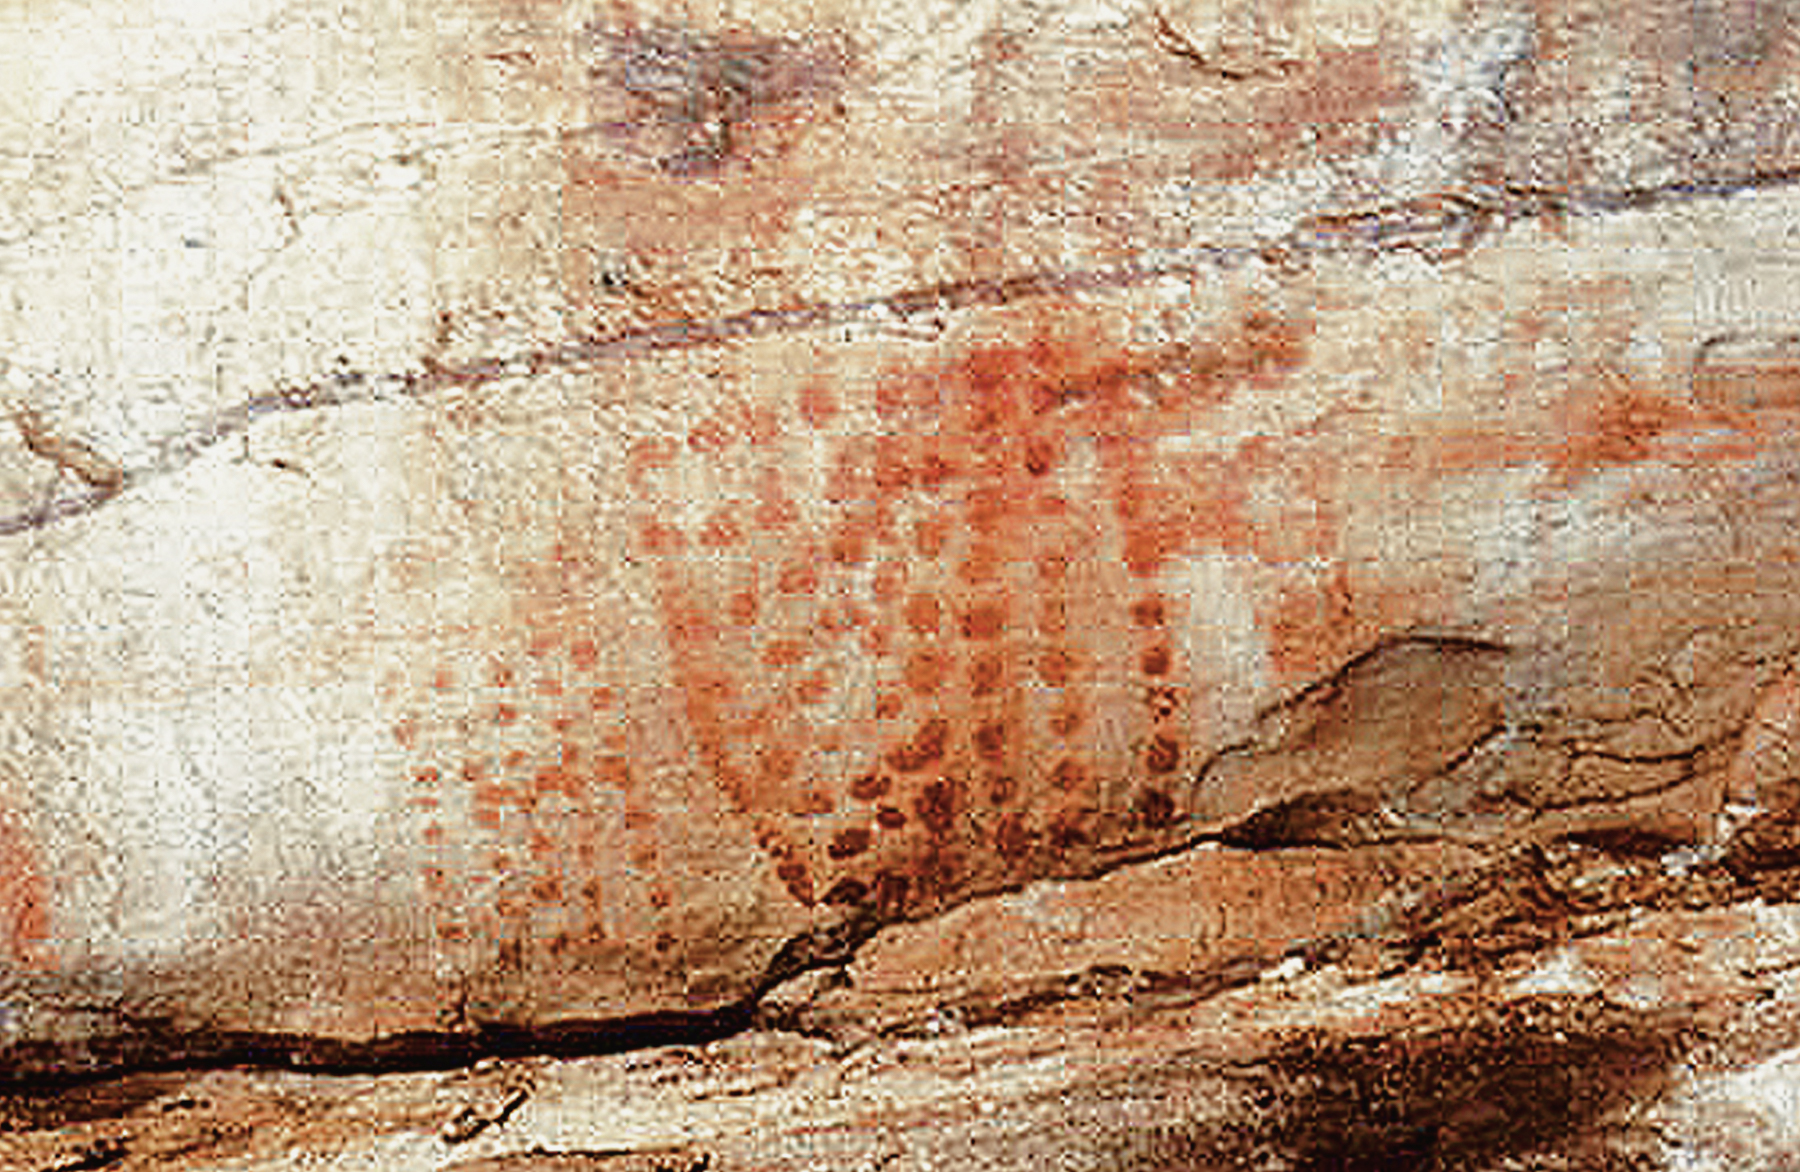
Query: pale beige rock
{"points": [[524, 514]]}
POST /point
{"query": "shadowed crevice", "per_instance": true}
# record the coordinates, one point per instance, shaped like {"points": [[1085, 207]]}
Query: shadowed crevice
{"points": [[34, 1068]]}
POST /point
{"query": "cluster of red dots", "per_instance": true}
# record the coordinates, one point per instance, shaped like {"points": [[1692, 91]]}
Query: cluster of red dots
{"points": [[525, 795]]}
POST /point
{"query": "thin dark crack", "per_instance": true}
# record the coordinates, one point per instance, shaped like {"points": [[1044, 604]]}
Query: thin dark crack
{"points": [[148, 1045], [1439, 227], [1221, 66]]}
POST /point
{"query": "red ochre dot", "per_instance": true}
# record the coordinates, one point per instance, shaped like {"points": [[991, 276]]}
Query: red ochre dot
{"points": [[889, 705], [891, 888], [890, 818], [927, 746], [779, 763], [847, 893], [741, 608], [1163, 755], [502, 676], [443, 679], [1056, 666], [555, 779], [935, 470], [852, 538], [936, 805], [784, 652], [986, 675], [814, 688], [929, 536], [1156, 661], [795, 877], [1148, 612], [1155, 808], [1067, 721], [889, 578], [1012, 838], [986, 620], [925, 671], [892, 470], [922, 613], [1068, 774], [709, 435], [775, 511], [818, 406], [427, 776], [505, 714], [984, 563], [839, 619], [720, 530], [847, 844], [661, 538], [869, 786], [990, 741], [798, 578]]}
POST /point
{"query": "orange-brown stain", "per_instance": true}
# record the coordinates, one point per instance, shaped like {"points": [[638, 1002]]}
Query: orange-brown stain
{"points": [[24, 895]]}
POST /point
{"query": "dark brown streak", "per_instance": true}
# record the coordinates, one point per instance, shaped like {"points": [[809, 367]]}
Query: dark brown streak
{"points": [[1439, 227], [1174, 41], [67, 453]]}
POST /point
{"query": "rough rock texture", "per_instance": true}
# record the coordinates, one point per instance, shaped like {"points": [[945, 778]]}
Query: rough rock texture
{"points": [[1558, 1007], [542, 529]]}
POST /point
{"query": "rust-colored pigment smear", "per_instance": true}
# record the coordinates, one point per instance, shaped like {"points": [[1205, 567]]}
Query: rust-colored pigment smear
{"points": [[24, 907]]}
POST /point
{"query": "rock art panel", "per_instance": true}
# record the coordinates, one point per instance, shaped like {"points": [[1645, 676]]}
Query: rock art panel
{"points": [[619, 504]]}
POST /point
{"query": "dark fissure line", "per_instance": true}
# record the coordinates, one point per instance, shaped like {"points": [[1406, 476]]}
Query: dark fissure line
{"points": [[148, 1045], [35, 1069], [1438, 227]]}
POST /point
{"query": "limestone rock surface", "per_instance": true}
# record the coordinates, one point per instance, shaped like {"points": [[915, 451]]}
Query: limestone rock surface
{"points": [[536, 529]]}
